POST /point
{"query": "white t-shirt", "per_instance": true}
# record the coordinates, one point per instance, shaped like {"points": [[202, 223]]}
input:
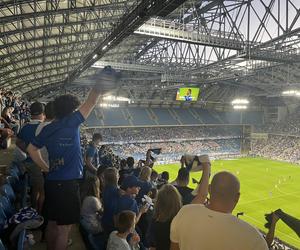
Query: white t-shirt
{"points": [[117, 243], [43, 150], [89, 216], [196, 227]]}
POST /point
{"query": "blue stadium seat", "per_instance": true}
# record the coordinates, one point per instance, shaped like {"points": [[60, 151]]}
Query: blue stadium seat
{"points": [[3, 220], [7, 190], [2, 247], [6, 206], [164, 117], [140, 116], [11, 180], [21, 239], [186, 117]]}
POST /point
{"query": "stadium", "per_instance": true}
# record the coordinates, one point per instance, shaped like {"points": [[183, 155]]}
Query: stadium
{"points": [[149, 124]]}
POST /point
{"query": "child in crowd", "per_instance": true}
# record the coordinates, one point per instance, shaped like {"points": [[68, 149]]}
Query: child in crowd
{"points": [[131, 187], [125, 225]]}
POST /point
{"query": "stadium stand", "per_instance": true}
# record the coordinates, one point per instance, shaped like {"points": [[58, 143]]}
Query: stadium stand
{"points": [[171, 116], [115, 117], [150, 152], [140, 116], [164, 117], [186, 117], [289, 125], [278, 147]]}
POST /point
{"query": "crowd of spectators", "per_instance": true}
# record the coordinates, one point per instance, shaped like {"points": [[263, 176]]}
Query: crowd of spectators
{"points": [[166, 133], [13, 113], [174, 150], [119, 202], [290, 125], [278, 147]]}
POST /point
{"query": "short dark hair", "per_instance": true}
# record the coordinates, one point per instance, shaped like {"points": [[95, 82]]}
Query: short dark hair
{"points": [[97, 136], [183, 174], [49, 110], [65, 105], [37, 108], [165, 175], [154, 173], [125, 221], [130, 162]]}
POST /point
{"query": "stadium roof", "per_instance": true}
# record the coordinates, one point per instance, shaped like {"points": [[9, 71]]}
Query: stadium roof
{"points": [[228, 47]]}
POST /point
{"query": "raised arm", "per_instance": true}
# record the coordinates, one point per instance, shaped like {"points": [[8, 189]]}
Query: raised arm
{"points": [[203, 185], [87, 107], [271, 232]]}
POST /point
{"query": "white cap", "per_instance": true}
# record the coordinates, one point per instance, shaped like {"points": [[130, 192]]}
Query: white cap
{"points": [[204, 159]]}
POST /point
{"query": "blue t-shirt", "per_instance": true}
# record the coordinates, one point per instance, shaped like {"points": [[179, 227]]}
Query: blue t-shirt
{"points": [[126, 202], [62, 140], [92, 152], [27, 134], [110, 197]]}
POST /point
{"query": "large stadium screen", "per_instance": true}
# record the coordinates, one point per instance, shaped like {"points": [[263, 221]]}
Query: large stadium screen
{"points": [[187, 94]]}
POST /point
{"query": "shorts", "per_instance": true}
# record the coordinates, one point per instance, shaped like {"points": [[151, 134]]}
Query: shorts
{"points": [[62, 201], [36, 178]]}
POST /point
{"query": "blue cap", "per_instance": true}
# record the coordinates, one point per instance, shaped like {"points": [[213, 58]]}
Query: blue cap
{"points": [[130, 181]]}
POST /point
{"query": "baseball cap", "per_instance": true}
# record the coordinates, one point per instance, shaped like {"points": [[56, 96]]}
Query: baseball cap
{"points": [[130, 181], [37, 108]]}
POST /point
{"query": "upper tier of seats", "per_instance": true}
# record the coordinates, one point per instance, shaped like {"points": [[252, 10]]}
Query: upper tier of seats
{"points": [[169, 116]]}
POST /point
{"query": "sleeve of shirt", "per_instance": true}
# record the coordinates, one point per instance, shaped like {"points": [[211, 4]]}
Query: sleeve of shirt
{"points": [[75, 119], [90, 152], [134, 207], [21, 134], [174, 234], [40, 140], [260, 243]]}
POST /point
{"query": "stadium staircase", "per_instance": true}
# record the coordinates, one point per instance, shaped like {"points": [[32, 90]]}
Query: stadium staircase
{"points": [[127, 116], [216, 116], [196, 115], [152, 115], [175, 116], [100, 116]]}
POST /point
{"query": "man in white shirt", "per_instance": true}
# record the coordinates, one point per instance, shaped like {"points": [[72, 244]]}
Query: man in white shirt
{"points": [[213, 227]]}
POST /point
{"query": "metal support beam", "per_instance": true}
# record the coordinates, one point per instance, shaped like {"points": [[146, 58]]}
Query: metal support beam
{"points": [[137, 17], [166, 29]]}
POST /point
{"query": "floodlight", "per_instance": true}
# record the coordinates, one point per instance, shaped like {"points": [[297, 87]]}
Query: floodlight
{"points": [[292, 92], [240, 101], [240, 107], [116, 98], [109, 105]]}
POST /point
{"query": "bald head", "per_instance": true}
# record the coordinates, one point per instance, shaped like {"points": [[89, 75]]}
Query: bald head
{"points": [[225, 188]]}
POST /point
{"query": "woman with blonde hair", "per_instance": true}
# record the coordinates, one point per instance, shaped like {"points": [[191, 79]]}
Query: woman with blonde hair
{"points": [[145, 178], [167, 205]]}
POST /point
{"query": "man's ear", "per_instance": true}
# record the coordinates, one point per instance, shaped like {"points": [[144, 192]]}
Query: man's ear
{"points": [[237, 197]]}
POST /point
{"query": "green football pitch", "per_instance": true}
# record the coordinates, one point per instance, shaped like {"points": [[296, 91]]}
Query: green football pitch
{"points": [[266, 185]]}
